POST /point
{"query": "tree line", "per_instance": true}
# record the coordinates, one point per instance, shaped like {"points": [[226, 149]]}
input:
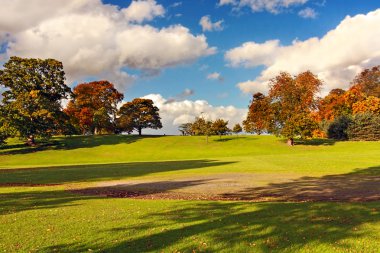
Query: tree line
{"points": [[31, 104], [293, 109], [201, 126], [33, 90]]}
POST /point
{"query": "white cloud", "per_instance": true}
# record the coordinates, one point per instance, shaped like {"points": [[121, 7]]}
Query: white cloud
{"points": [[252, 54], [272, 6], [175, 113], [140, 11], [308, 13], [208, 26], [226, 2], [336, 57], [97, 40], [215, 76]]}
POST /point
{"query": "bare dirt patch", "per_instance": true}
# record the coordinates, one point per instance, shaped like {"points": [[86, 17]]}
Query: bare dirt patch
{"points": [[353, 187]]}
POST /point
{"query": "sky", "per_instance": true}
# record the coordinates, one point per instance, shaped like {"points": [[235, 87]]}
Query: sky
{"points": [[195, 57]]}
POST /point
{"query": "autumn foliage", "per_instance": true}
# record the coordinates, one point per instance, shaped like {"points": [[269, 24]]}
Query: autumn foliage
{"points": [[292, 108], [94, 106]]}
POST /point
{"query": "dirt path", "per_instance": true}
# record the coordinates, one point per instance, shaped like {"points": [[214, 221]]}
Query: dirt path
{"points": [[245, 187]]}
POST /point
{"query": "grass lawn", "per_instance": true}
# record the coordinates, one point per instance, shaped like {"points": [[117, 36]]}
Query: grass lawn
{"points": [[40, 212]]}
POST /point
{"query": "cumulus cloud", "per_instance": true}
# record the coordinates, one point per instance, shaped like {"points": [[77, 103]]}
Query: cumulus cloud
{"points": [[336, 57], [179, 112], [272, 6], [140, 11], [97, 40], [215, 76], [308, 13], [252, 54], [208, 26]]}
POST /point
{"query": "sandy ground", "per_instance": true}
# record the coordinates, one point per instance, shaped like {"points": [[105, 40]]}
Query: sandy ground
{"points": [[244, 187]]}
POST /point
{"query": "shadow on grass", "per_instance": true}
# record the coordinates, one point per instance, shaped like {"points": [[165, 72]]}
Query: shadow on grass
{"points": [[95, 172], [18, 201], [315, 142], [241, 227], [73, 142], [360, 185], [225, 139], [228, 226]]}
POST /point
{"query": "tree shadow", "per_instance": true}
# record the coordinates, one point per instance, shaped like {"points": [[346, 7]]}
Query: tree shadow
{"points": [[41, 198], [315, 142], [237, 227], [225, 139], [73, 142], [360, 185], [150, 190], [96, 172], [212, 226]]}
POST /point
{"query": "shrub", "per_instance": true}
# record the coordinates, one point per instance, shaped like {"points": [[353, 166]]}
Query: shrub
{"points": [[364, 127], [338, 128]]}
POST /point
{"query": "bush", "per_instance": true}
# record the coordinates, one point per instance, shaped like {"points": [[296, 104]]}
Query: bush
{"points": [[364, 127], [338, 128]]}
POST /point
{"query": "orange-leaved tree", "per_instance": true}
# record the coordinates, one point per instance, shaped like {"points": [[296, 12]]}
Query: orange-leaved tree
{"points": [[369, 81], [333, 105], [94, 106], [293, 99], [259, 114]]}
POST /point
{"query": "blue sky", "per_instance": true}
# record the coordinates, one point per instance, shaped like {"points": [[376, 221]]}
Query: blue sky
{"points": [[239, 27], [158, 48]]}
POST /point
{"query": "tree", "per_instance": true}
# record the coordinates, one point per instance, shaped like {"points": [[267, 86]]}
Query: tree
{"points": [[202, 127], [370, 104], [220, 127], [94, 106], [139, 114], [364, 127], [237, 129], [338, 128], [293, 99], [259, 114], [333, 105], [31, 101], [185, 129], [369, 81]]}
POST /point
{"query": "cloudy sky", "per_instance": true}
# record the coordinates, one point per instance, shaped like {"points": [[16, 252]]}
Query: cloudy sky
{"points": [[195, 56]]}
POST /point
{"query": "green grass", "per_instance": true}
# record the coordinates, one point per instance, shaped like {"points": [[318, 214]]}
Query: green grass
{"points": [[49, 218]]}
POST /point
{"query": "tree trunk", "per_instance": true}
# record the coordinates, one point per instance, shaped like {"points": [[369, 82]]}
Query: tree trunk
{"points": [[290, 142], [140, 131], [31, 142]]}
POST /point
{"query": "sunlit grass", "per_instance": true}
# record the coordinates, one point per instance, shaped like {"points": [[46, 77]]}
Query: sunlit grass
{"points": [[49, 218]]}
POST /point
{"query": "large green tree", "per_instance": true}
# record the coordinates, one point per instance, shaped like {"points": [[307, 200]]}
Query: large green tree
{"points": [[138, 114], [31, 103]]}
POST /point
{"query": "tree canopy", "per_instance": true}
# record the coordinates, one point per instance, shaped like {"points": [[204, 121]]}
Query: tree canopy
{"points": [[138, 114], [237, 128], [31, 103], [259, 114], [94, 106]]}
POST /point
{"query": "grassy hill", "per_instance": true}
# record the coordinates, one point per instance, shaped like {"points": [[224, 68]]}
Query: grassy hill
{"points": [[310, 198]]}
